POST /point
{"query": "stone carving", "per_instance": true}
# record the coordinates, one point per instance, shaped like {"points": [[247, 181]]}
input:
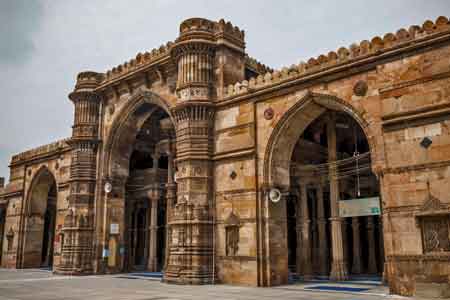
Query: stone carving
{"points": [[434, 221], [232, 235], [435, 232], [10, 239]]}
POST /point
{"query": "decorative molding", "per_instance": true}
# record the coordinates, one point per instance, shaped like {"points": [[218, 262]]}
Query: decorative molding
{"points": [[416, 167], [401, 85]]}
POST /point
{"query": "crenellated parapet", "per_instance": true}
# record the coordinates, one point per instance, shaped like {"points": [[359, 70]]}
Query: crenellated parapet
{"points": [[255, 66], [142, 60], [41, 152], [373, 49], [221, 30], [196, 36]]}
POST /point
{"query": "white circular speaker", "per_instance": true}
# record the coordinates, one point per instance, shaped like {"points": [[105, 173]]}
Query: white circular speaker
{"points": [[274, 195], [108, 187]]}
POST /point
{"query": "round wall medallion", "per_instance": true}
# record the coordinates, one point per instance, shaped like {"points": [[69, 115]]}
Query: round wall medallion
{"points": [[360, 88], [268, 113]]}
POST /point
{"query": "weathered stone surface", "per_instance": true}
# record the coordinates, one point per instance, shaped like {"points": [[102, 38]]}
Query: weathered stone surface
{"points": [[226, 154]]}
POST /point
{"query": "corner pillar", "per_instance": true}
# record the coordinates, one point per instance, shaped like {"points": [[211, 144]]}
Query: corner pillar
{"points": [[190, 247], [78, 228]]}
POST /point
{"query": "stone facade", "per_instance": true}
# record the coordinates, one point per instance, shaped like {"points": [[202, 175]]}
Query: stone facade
{"points": [[227, 127]]}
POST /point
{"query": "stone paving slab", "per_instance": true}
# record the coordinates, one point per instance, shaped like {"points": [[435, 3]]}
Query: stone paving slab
{"points": [[42, 285]]}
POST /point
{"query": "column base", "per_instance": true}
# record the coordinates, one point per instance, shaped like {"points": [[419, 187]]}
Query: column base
{"points": [[339, 271], [72, 271], [384, 276], [152, 264], [174, 276]]}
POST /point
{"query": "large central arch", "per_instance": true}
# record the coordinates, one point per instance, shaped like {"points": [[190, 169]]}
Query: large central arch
{"points": [[276, 174], [115, 167], [130, 119]]}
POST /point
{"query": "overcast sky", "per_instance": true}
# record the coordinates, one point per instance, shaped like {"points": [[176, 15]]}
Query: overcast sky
{"points": [[44, 44]]}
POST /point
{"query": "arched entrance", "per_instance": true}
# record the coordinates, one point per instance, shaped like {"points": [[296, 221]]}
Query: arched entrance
{"points": [[320, 156], [138, 163], [40, 221], [145, 205]]}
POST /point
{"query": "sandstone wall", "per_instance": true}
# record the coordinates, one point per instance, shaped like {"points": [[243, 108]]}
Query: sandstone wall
{"points": [[24, 168]]}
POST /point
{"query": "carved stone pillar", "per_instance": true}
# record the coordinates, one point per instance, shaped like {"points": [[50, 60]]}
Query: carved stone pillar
{"points": [[322, 229], [338, 264], [356, 266], [155, 158], [345, 245], [381, 246], [191, 225], [153, 230], [77, 252], [372, 260], [304, 248]]}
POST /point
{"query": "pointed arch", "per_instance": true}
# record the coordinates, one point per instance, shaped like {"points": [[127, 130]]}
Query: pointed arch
{"points": [[131, 117], [40, 220], [289, 128]]}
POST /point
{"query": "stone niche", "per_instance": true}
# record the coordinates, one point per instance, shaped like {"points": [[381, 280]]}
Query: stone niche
{"points": [[232, 234], [434, 223], [435, 233]]}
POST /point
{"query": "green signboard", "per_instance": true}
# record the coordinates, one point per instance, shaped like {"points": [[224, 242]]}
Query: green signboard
{"points": [[359, 207]]}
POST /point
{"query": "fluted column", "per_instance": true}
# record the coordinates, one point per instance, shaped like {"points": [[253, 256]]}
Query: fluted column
{"points": [[323, 241], [338, 264], [305, 245], [372, 260], [356, 266]]}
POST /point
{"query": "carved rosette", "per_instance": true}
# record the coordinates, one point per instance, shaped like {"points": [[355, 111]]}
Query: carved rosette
{"points": [[77, 248]]}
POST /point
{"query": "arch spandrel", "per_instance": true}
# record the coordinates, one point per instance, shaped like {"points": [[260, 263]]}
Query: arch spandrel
{"points": [[291, 125]]}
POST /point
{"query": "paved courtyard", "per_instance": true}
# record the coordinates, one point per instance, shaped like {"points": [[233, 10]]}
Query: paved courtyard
{"points": [[37, 284]]}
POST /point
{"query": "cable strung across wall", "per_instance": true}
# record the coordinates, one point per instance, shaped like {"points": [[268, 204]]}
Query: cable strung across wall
{"points": [[359, 164]]}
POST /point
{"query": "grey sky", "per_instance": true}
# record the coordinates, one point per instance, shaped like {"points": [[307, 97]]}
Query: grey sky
{"points": [[44, 44]]}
